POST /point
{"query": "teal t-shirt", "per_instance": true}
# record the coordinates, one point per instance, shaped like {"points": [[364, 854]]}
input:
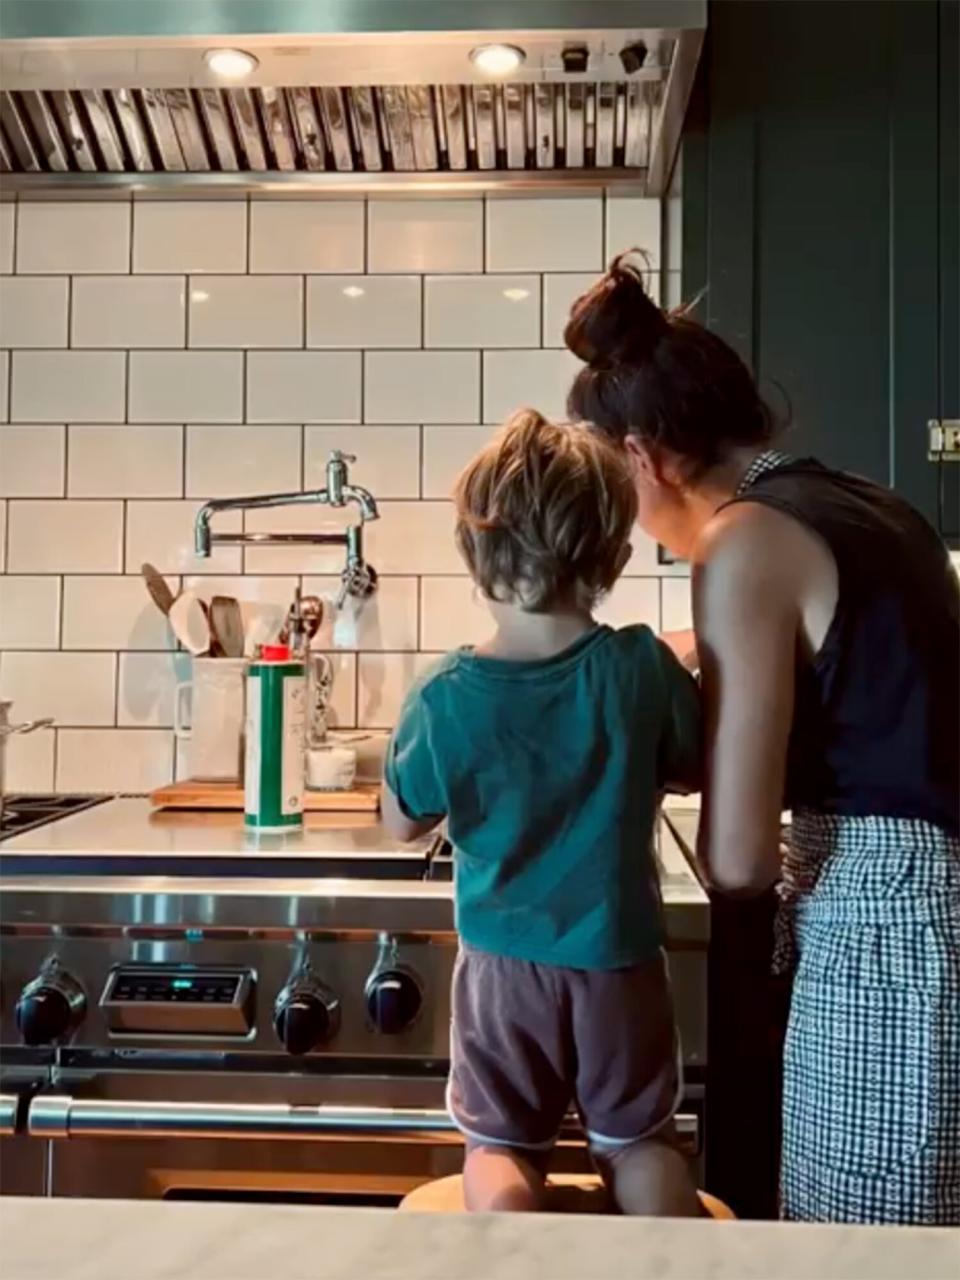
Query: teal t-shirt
{"points": [[548, 772]]}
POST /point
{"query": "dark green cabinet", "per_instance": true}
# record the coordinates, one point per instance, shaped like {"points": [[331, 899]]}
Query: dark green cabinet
{"points": [[820, 194]]}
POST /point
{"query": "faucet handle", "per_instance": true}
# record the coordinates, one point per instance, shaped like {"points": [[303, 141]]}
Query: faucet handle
{"points": [[338, 455]]}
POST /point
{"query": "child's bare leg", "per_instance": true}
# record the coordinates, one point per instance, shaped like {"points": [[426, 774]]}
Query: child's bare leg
{"points": [[498, 1177], [651, 1178]]}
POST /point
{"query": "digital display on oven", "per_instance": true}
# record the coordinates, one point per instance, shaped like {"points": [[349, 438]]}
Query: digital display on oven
{"points": [[172, 999]]}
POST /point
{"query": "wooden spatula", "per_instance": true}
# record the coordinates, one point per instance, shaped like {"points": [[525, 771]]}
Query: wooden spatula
{"points": [[160, 593], [226, 622]]}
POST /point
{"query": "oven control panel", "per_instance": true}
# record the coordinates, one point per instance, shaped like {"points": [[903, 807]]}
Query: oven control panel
{"points": [[179, 1000]]}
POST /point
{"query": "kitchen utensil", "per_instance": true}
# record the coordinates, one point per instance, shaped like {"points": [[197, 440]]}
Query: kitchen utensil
{"points": [[190, 623], [214, 724], [302, 622], [7, 730], [319, 693], [160, 593], [226, 622]]}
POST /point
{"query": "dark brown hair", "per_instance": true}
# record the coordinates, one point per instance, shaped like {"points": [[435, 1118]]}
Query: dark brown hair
{"points": [[544, 513], [659, 375]]}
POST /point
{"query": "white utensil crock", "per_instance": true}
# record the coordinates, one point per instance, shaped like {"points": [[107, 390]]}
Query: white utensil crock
{"points": [[214, 723]]}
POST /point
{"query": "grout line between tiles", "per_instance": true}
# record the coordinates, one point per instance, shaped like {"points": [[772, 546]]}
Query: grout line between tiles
{"points": [[130, 246]]}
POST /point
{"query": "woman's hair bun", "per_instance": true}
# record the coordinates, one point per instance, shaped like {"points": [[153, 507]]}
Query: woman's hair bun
{"points": [[616, 322]]}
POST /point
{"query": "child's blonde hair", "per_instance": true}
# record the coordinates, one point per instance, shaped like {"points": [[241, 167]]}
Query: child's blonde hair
{"points": [[544, 514]]}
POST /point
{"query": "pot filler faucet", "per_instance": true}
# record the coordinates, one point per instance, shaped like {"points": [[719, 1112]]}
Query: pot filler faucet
{"points": [[358, 578]]}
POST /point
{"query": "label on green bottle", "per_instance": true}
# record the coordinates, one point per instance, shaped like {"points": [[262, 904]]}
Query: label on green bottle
{"points": [[276, 722]]}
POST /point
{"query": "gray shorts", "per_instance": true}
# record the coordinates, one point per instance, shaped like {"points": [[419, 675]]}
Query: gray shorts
{"points": [[528, 1040]]}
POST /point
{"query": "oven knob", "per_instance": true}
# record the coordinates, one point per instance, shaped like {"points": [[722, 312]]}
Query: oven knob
{"points": [[306, 1013], [50, 1007], [394, 997]]}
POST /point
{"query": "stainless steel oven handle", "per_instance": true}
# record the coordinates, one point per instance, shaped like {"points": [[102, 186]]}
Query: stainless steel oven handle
{"points": [[53, 1116], [8, 1113]]}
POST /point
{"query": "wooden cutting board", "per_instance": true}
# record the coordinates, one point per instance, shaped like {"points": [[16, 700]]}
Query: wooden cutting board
{"points": [[364, 797]]}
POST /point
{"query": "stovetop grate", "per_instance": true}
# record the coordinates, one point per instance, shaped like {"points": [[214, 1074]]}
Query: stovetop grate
{"points": [[26, 812]]}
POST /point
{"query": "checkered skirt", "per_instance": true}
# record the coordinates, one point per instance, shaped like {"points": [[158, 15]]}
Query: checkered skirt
{"points": [[871, 1120]]}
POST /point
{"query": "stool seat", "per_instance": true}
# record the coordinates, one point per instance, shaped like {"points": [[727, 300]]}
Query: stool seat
{"points": [[565, 1193]]}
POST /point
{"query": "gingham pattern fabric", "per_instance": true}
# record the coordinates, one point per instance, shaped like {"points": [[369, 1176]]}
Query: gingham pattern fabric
{"points": [[872, 1055]]}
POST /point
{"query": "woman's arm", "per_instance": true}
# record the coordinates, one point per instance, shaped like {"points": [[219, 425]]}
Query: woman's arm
{"points": [[746, 615]]}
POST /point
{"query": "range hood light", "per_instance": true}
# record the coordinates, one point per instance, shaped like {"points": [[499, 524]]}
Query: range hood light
{"points": [[230, 64], [497, 59]]}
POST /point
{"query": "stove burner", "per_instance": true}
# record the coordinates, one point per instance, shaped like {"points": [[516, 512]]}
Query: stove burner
{"points": [[24, 813]]}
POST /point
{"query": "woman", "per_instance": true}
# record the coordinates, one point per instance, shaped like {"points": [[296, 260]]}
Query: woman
{"points": [[827, 626]]}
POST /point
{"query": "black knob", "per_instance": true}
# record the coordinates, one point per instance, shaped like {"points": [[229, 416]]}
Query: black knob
{"points": [[394, 997], [306, 1014], [50, 1007]]}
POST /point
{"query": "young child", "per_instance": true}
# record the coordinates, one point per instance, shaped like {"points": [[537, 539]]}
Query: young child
{"points": [[544, 749]]}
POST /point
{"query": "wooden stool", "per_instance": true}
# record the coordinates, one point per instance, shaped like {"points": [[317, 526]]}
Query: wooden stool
{"points": [[566, 1193]]}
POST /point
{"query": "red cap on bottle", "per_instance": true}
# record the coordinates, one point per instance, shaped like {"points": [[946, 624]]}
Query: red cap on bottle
{"points": [[275, 653]]}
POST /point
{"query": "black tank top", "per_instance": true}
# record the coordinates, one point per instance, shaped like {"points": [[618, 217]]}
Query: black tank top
{"points": [[876, 727]]}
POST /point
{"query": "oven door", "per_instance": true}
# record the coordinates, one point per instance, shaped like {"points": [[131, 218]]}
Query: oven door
{"points": [[330, 1140]]}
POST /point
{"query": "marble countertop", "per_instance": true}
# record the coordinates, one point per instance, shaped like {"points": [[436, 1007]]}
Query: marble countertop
{"points": [[153, 1240]]}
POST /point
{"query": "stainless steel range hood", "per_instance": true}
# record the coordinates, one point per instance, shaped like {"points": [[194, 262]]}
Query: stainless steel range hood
{"points": [[352, 94]]}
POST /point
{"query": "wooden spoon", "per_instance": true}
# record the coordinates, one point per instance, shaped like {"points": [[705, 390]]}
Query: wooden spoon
{"points": [[160, 593], [226, 623], [190, 624]]}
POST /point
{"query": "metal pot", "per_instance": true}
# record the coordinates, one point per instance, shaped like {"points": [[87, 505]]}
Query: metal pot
{"points": [[6, 729]]}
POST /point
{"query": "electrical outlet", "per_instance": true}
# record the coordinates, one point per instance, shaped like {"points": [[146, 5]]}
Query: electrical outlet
{"points": [[943, 440]]}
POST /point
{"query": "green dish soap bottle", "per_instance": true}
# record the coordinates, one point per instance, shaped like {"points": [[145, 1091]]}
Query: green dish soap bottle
{"points": [[275, 741]]}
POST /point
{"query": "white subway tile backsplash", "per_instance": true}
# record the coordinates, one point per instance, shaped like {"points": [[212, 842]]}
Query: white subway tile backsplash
{"points": [[386, 621], [453, 614], [223, 462], [305, 236], [8, 214], [110, 760], [65, 537], [125, 462], [204, 374], [189, 235], [545, 234], [482, 311], [422, 386], [161, 533], [363, 311], [527, 379], [68, 386], [30, 760], [560, 292], [146, 688], [384, 680], [446, 451], [186, 386], [631, 600], [33, 311], [676, 604], [633, 222], [113, 612], [303, 386], [31, 461], [413, 537], [425, 235], [74, 688], [246, 311], [388, 458], [132, 311], [29, 612], [80, 237]]}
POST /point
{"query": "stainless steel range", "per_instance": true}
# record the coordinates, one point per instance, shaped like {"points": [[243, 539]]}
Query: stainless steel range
{"points": [[188, 1012]]}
